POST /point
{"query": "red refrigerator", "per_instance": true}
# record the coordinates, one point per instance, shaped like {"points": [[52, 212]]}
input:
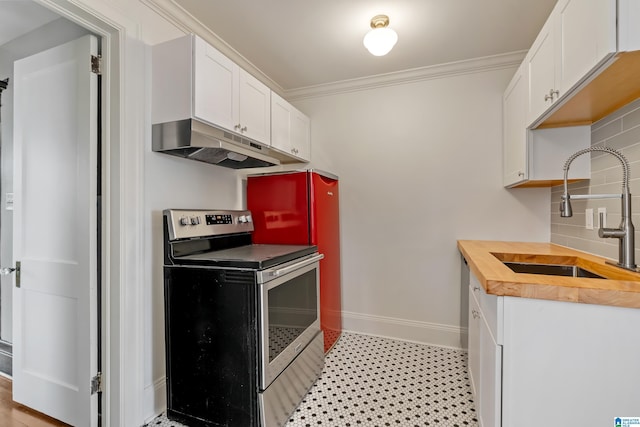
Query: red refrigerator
{"points": [[301, 208]]}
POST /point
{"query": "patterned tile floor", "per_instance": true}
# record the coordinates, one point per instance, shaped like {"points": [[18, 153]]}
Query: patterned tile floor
{"points": [[372, 381]]}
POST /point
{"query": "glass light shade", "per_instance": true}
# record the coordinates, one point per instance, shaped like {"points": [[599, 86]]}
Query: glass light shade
{"points": [[380, 41]]}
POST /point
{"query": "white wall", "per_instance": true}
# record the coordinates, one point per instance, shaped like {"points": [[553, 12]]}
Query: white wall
{"points": [[420, 166], [171, 182]]}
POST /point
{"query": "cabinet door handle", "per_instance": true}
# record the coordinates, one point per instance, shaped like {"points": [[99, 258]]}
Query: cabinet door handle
{"points": [[476, 288], [243, 129], [475, 314], [552, 93]]}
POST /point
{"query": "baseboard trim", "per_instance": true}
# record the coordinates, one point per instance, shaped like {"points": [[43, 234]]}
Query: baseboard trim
{"points": [[6, 347], [402, 329], [155, 399], [6, 359]]}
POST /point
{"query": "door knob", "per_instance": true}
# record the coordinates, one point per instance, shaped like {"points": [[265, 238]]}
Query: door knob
{"points": [[5, 271]]}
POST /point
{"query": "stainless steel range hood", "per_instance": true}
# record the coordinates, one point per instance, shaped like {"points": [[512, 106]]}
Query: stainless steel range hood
{"points": [[199, 141]]}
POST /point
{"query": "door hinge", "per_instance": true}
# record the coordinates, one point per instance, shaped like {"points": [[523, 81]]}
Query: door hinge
{"points": [[96, 64], [96, 383]]}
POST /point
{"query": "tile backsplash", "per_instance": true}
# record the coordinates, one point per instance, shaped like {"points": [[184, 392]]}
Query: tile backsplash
{"points": [[621, 131]]}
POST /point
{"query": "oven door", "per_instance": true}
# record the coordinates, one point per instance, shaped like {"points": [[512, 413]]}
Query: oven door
{"points": [[289, 313]]}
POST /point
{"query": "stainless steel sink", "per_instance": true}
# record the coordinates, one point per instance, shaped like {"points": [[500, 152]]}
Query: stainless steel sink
{"points": [[552, 270]]}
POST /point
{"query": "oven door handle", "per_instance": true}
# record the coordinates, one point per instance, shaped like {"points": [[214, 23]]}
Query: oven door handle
{"points": [[288, 269]]}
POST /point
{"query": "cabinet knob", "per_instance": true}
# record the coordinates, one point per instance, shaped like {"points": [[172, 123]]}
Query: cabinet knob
{"points": [[548, 97], [243, 129], [520, 173], [237, 127], [475, 314], [476, 288]]}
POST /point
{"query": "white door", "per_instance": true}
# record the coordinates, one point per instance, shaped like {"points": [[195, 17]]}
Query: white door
{"points": [[55, 232]]}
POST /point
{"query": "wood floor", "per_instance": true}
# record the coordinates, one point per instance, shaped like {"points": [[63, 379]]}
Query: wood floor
{"points": [[15, 415]]}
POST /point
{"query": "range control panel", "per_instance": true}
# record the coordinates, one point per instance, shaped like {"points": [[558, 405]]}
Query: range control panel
{"points": [[187, 224]]}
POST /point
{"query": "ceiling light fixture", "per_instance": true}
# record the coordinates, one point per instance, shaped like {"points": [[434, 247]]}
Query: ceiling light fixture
{"points": [[381, 39]]}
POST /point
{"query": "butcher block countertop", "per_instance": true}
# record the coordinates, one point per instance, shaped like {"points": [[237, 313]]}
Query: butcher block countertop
{"points": [[621, 288]]}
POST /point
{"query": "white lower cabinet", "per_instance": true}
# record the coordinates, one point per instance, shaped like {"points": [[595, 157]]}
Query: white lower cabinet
{"points": [[539, 363], [491, 379], [474, 344], [485, 358]]}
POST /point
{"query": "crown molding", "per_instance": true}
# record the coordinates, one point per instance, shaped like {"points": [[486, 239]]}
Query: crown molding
{"points": [[186, 22], [470, 66]]}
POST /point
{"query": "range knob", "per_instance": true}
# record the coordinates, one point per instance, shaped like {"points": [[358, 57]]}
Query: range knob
{"points": [[184, 221], [242, 219], [195, 220], [249, 219]]}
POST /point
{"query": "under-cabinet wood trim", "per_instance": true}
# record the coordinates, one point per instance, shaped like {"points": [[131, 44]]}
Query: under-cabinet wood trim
{"points": [[613, 88]]}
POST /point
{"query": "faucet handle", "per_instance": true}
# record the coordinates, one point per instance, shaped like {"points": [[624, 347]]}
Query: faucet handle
{"points": [[609, 232]]}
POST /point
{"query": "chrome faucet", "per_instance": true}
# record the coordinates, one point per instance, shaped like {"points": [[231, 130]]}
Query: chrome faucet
{"points": [[625, 232]]}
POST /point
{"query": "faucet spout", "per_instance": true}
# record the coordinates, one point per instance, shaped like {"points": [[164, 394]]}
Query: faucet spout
{"points": [[625, 233]]}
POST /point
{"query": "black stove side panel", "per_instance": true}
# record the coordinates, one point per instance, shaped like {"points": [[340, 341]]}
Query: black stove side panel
{"points": [[211, 346]]}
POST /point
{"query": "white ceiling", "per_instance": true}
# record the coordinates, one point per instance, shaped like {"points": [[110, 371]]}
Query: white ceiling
{"points": [[300, 43], [18, 17]]}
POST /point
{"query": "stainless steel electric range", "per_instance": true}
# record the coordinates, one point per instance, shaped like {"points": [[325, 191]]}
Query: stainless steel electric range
{"points": [[243, 339]]}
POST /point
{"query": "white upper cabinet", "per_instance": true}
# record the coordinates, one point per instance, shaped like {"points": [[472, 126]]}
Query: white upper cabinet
{"points": [[587, 37], [301, 135], [541, 69], [514, 132], [290, 129], [577, 37], [193, 79], [577, 43], [255, 108], [216, 84], [535, 158], [582, 66]]}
